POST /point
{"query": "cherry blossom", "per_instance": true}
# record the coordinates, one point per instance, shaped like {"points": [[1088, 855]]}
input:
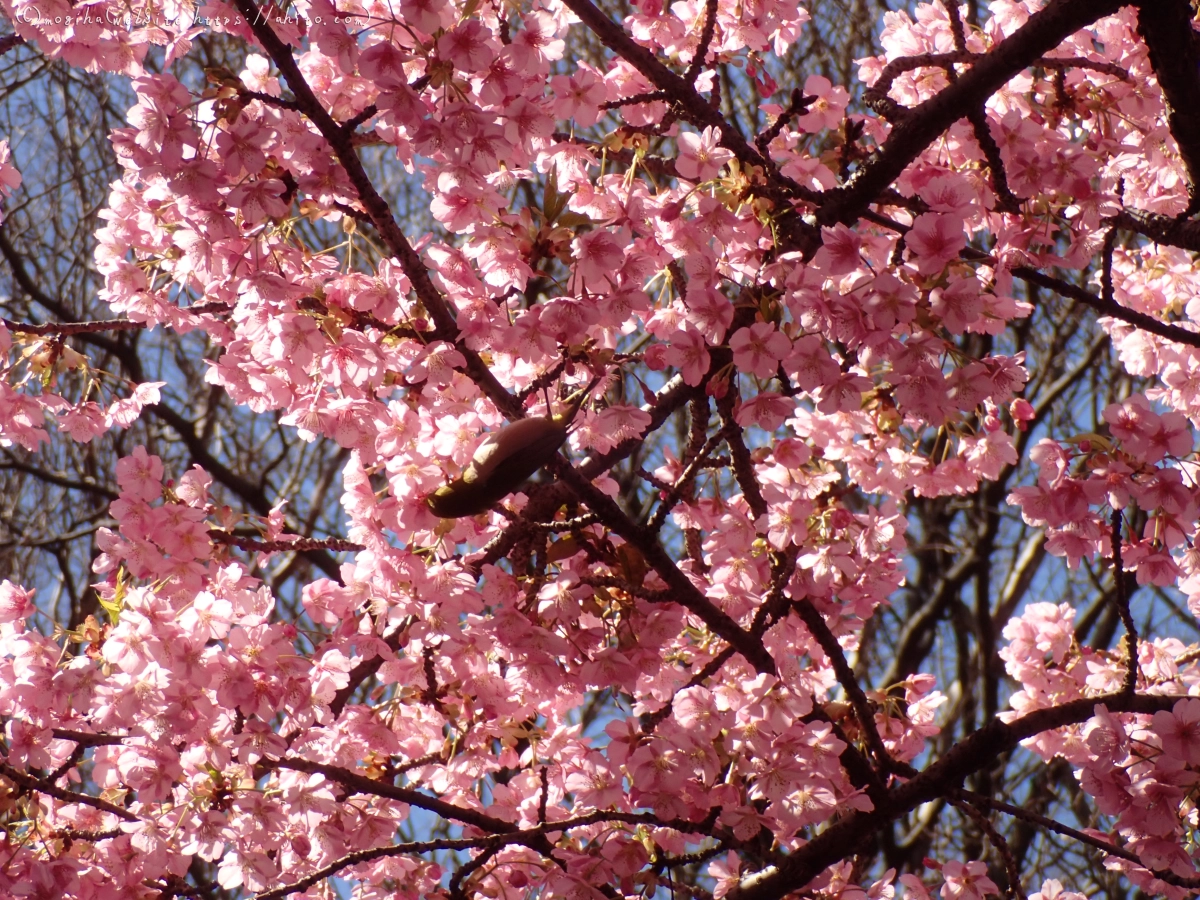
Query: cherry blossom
{"points": [[654, 664], [700, 158], [967, 881]]}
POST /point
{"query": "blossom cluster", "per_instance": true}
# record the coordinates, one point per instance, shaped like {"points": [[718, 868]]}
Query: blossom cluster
{"points": [[857, 361]]}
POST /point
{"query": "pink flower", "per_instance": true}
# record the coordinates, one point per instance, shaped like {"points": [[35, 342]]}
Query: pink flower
{"points": [[700, 157], [537, 43], [383, 62], [1179, 730], [1145, 433], [710, 311], [1173, 437], [594, 784], [599, 255], [15, 602], [259, 199], [914, 888], [457, 437], [959, 304], [725, 871], [934, 240], [579, 96], [841, 250], [827, 110], [1154, 565], [950, 193], [1022, 411], [27, 743], [10, 178], [1052, 889], [689, 353], [427, 15], [468, 47], [656, 767], [604, 431], [140, 475], [241, 147], [768, 410], [967, 881], [788, 523], [123, 413], [1164, 489], [759, 348], [810, 363]]}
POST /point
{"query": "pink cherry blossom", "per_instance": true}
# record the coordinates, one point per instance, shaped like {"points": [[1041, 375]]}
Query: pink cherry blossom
{"points": [[935, 240], [1177, 731], [967, 881], [758, 349], [700, 157], [688, 353], [827, 108], [829, 391]]}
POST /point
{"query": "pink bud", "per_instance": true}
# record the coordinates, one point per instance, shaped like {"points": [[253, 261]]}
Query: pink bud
{"points": [[1021, 410]]}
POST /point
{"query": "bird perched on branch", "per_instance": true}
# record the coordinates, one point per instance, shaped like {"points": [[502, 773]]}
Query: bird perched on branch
{"points": [[504, 461]]}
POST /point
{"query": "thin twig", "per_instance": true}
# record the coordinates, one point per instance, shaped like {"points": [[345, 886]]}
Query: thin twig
{"points": [[29, 783], [299, 544], [63, 329], [1015, 890], [706, 36], [1121, 599]]}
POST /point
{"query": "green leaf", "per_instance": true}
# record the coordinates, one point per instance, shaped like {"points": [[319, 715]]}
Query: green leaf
{"points": [[553, 202], [571, 219]]}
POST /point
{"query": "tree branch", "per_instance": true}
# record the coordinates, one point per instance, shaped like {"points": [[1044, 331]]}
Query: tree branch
{"points": [[342, 144], [1044, 31], [969, 755], [1166, 27], [1112, 309], [29, 783], [685, 593]]}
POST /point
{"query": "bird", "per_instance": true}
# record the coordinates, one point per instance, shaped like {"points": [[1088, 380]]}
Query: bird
{"points": [[504, 461]]}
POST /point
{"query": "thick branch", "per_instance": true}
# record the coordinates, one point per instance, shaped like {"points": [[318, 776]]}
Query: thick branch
{"points": [[685, 593], [739, 453], [361, 784], [341, 142], [815, 623], [87, 739], [362, 856], [1161, 229], [1166, 27], [365, 668], [66, 328], [974, 752], [1044, 31], [297, 545]]}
